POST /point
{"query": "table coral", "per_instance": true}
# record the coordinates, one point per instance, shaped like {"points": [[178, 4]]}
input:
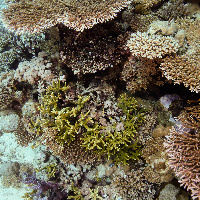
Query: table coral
{"points": [[35, 16], [183, 69]]}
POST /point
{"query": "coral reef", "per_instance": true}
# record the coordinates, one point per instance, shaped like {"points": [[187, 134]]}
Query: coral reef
{"points": [[39, 188], [133, 186], [173, 9], [38, 72], [120, 145], [70, 126], [184, 68], [89, 94], [140, 73]]}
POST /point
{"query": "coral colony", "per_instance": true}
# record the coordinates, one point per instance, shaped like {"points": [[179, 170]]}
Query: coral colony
{"points": [[100, 99]]}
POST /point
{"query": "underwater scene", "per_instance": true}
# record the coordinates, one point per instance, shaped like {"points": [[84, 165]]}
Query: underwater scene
{"points": [[99, 100]]}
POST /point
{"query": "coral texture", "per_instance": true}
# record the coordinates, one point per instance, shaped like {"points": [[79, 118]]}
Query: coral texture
{"points": [[133, 186], [183, 149], [93, 50], [151, 46], [34, 16], [140, 73], [37, 72], [183, 69]]}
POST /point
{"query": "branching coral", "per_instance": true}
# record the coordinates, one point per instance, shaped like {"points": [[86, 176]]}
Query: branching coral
{"points": [[183, 149], [66, 126], [93, 50], [185, 68], [66, 121], [34, 16], [122, 146], [140, 73], [151, 46]]}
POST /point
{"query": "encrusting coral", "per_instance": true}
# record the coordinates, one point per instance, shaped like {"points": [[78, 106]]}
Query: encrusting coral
{"points": [[35, 16]]}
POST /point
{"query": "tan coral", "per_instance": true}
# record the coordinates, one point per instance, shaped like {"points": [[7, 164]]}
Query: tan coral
{"points": [[151, 46], [133, 186], [182, 146], [34, 16], [69, 154], [158, 170], [183, 69], [145, 5], [138, 73]]}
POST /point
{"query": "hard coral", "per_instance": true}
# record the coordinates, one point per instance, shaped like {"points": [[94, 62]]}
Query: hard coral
{"points": [[93, 50], [183, 149], [144, 5], [120, 145], [183, 69], [173, 9], [37, 72], [34, 16], [133, 186], [140, 73], [151, 46]]}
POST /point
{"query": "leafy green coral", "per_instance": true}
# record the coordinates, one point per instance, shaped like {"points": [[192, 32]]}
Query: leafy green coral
{"points": [[121, 145]]}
